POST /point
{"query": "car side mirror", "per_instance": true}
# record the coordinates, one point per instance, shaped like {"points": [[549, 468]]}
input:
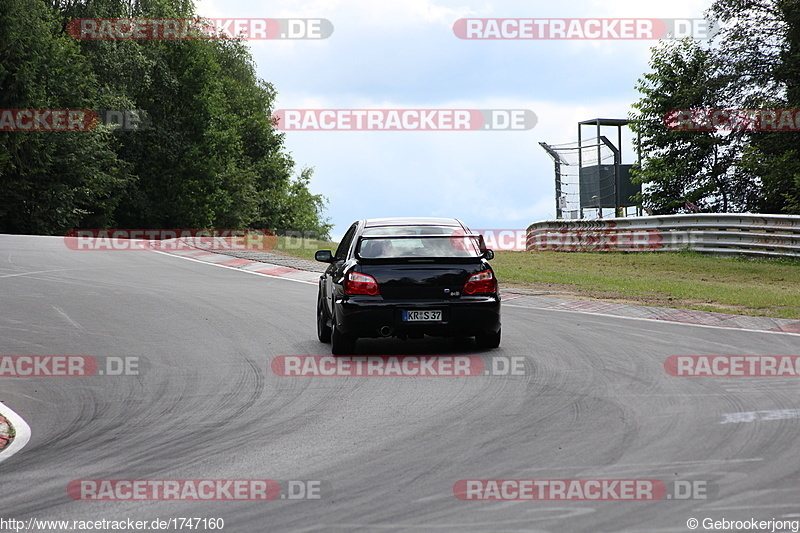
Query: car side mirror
{"points": [[323, 256], [485, 252]]}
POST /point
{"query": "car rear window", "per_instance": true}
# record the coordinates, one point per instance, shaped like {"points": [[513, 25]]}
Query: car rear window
{"points": [[386, 242]]}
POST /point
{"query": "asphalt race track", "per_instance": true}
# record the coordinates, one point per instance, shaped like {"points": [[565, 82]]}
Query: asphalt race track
{"points": [[595, 402]]}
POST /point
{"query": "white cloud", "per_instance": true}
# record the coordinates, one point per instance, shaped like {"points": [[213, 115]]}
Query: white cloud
{"points": [[404, 54]]}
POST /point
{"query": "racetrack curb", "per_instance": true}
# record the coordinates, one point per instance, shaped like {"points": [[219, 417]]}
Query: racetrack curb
{"points": [[299, 269], [13, 425], [6, 432], [263, 263]]}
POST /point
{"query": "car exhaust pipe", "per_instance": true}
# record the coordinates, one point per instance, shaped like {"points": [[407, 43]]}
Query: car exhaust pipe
{"points": [[385, 331]]}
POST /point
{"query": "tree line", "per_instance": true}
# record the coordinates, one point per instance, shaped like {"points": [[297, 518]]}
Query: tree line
{"points": [[208, 155], [749, 165]]}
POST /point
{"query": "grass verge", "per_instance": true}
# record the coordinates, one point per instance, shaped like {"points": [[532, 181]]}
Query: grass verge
{"points": [[687, 280], [303, 248]]}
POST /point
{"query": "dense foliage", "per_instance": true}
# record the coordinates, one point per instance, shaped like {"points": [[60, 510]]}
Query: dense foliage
{"points": [[209, 156], [752, 63]]}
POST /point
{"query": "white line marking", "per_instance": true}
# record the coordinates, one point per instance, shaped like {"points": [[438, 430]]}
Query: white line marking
{"points": [[31, 273], [753, 506], [655, 465], [307, 282], [656, 320], [22, 432]]}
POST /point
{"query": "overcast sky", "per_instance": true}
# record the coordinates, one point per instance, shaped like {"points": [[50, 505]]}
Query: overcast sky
{"points": [[404, 54]]}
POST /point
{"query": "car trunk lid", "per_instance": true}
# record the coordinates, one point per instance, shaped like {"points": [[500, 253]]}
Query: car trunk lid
{"points": [[421, 279]]}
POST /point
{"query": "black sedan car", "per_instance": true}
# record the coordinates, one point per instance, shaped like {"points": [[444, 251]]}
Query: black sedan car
{"points": [[407, 277]]}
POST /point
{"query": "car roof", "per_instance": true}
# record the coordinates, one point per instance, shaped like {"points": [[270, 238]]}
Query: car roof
{"points": [[412, 221]]}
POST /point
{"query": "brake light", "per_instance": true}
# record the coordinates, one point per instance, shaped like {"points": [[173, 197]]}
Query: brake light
{"points": [[358, 283], [481, 283]]}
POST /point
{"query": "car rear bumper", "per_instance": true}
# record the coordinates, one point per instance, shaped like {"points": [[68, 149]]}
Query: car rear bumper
{"points": [[370, 316]]}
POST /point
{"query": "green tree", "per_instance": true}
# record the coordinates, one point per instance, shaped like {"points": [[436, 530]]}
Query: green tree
{"points": [[293, 207], [50, 181], [760, 44], [211, 156], [680, 167]]}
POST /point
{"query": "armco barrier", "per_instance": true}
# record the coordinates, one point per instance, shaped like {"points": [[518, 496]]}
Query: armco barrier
{"points": [[727, 233]]}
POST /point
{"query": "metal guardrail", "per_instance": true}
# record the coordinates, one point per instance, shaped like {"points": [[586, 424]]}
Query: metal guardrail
{"points": [[727, 233]]}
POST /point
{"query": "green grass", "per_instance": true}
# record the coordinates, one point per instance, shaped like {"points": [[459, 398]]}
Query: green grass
{"points": [[304, 248], [767, 287]]}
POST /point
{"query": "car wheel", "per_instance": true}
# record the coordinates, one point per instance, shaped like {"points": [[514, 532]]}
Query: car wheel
{"points": [[488, 340], [323, 329], [341, 343]]}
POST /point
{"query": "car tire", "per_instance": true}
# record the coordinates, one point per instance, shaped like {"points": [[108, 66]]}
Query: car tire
{"points": [[323, 329], [488, 340], [342, 343]]}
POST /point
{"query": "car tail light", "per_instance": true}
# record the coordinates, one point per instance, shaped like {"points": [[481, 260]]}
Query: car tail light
{"points": [[358, 283], [481, 283]]}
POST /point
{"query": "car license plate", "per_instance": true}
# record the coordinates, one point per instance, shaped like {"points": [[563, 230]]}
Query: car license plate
{"points": [[423, 316]]}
